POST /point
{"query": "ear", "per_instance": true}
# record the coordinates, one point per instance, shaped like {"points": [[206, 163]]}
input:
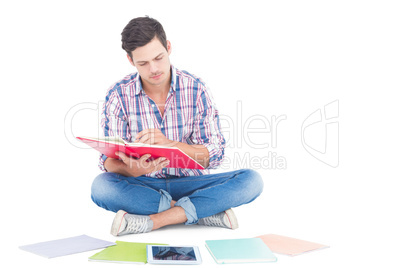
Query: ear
{"points": [[169, 47], [130, 60]]}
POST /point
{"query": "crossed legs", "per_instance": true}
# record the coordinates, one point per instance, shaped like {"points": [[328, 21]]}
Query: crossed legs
{"points": [[197, 197], [174, 215]]}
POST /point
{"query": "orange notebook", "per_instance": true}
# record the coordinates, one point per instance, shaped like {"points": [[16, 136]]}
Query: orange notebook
{"points": [[110, 145], [289, 246]]}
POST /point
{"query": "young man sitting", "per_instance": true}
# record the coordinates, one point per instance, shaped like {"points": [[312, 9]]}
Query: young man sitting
{"points": [[163, 105]]}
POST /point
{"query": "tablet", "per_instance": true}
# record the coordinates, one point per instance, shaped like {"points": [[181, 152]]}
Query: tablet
{"points": [[157, 254]]}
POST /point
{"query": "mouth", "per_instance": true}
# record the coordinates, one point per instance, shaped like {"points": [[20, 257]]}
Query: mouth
{"points": [[156, 76]]}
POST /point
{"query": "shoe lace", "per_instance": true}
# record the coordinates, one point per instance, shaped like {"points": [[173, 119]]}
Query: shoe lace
{"points": [[215, 220], [136, 224]]}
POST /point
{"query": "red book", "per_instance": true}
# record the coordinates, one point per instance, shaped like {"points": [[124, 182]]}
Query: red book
{"points": [[110, 145]]}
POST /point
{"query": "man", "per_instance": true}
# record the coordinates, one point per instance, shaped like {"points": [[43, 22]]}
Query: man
{"points": [[162, 105]]}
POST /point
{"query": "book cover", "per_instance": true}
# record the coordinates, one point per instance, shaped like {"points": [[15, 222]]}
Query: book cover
{"points": [[110, 145], [289, 246], [66, 246], [123, 252], [244, 250]]}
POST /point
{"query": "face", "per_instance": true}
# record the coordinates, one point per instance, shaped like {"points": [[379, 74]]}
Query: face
{"points": [[152, 62]]}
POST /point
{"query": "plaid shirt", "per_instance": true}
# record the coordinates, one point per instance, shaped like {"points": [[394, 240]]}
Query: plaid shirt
{"points": [[190, 117]]}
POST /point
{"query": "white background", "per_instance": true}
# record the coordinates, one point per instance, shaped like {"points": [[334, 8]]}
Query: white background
{"points": [[275, 57]]}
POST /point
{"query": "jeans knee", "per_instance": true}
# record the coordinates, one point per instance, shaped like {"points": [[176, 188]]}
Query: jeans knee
{"points": [[253, 182], [101, 186]]}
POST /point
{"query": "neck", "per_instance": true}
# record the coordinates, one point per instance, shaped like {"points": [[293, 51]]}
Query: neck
{"points": [[156, 89], [160, 89]]}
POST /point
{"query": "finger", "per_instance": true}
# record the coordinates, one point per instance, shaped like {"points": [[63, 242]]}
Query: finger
{"points": [[143, 139], [144, 132], [160, 160], [142, 161], [138, 136], [165, 163], [145, 157], [161, 165], [147, 138], [121, 155]]}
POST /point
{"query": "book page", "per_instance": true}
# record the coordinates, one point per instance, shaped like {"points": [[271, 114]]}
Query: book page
{"points": [[109, 139]]}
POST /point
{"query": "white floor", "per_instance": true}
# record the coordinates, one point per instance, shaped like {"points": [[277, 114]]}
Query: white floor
{"points": [[360, 229]]}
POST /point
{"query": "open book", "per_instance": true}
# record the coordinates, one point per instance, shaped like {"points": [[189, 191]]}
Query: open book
{"points": [[110, 145]]}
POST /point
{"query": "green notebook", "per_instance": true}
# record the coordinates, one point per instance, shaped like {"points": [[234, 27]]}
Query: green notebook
{"points": [[123, 252], [245, 250]]}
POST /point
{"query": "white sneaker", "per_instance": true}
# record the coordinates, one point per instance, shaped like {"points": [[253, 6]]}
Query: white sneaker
{"points": [[225, 219], [125, 223]]}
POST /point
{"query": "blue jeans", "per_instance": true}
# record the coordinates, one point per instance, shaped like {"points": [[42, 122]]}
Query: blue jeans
{"points": [[199, 196]]}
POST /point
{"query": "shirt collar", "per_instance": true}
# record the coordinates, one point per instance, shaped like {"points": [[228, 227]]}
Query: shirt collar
{"points": [[138, 83]]}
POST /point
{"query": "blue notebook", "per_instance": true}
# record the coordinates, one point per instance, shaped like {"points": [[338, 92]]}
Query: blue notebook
{"points": [[245, 250]]}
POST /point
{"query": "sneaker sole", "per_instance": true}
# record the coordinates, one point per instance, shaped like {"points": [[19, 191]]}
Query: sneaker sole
{"points": [[232, 219], [116, 225]]}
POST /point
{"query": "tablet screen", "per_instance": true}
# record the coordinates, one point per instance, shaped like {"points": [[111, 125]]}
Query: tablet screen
{"points": [[173, 253]]}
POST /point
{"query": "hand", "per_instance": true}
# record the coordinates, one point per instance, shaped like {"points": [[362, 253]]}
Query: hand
{"points": [[139, 167], [153, 136]]}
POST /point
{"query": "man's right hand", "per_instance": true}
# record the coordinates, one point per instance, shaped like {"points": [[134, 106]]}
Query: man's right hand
{"points": [[132, 167]]}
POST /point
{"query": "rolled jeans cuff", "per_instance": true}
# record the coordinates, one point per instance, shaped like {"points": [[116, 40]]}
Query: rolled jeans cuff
{"points": [[164, 203], [189, 209]]}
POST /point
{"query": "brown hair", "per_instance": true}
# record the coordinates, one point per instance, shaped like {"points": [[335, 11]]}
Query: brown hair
{"points": [[140, 31]]}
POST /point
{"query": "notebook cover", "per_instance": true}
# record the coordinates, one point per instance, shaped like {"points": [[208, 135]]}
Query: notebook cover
{"points": [[124, 252], [178, 159], [66, 246], [245, 250], [289, 246]]}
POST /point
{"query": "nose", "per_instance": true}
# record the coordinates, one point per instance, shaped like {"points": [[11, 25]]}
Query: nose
{"points": [[153, 68]]}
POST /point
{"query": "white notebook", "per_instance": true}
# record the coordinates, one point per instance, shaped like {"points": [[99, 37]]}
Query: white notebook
{"points": [[66, 246]]}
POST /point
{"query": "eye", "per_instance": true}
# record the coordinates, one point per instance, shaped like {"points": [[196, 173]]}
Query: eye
{"points": [[159, 58]]}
